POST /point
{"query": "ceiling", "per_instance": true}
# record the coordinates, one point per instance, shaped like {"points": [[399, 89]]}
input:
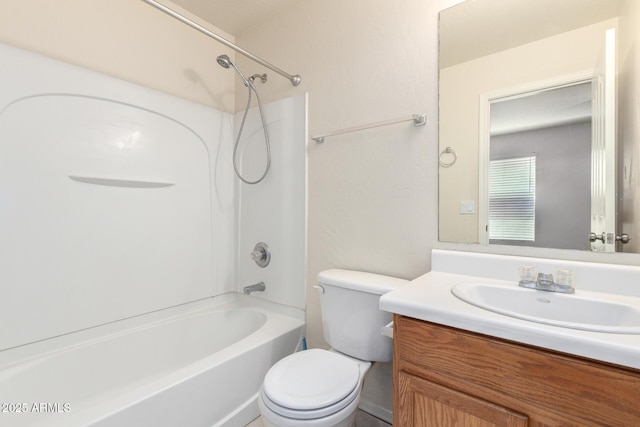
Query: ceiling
{"points": [[476, 28], [483, 23], [234, 16], [542, 109]]}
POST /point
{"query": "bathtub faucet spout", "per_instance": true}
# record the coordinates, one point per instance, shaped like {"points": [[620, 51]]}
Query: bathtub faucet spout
{"points": [[258, 287]]}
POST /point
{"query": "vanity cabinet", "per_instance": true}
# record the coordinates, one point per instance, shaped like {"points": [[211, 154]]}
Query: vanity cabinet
{"points": [[449, 377]]}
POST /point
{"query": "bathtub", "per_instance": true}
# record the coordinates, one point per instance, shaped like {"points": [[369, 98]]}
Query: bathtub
{"points": [[199, 364]]}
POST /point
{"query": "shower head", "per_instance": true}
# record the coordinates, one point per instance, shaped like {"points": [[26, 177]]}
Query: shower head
{"points": [[225, 62]]}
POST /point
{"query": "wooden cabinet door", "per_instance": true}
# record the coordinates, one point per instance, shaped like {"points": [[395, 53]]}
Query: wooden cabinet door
{"points": [[427, 404]]}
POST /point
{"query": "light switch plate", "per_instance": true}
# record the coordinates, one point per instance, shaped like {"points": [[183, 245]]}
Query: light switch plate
{"points": [[467, 207]]}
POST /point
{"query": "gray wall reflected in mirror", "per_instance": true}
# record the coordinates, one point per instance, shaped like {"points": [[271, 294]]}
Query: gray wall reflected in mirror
{"points": [[494, 51], [555, 127]]}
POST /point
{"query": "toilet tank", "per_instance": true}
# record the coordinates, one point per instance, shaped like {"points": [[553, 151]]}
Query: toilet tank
{"points": [[351, 319]]}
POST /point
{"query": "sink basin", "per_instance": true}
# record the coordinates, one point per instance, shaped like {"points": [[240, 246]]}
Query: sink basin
{"points": [[588, 311]]}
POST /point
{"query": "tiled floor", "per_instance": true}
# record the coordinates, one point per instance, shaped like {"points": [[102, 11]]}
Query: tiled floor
{"points": [[362, 420]]}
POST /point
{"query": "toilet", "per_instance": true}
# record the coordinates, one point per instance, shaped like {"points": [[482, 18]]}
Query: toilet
{"points": [[322, 387]]}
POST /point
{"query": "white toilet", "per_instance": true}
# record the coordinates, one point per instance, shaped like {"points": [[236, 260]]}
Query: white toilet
{"points": [[322, 387]]}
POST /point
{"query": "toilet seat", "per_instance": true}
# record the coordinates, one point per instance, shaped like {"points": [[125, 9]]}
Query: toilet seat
{"points": [[311, 384]]}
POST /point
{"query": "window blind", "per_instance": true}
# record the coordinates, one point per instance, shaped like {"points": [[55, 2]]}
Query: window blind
{"points": [[512, 199]]}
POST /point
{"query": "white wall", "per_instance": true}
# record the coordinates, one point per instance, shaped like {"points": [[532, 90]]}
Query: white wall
{"points": [[126, 39], [628, 123], [372, 195]]}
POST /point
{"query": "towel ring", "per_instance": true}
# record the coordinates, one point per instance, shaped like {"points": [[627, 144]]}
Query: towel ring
{"points": [[447, 150]]}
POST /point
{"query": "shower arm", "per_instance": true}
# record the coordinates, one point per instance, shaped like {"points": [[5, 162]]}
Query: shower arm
{"points": [[295, 80]]}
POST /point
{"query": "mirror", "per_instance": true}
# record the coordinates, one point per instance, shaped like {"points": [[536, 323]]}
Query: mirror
{"points": [[538, 123]]}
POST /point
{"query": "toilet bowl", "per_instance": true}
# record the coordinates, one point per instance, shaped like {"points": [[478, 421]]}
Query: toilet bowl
{"points": [[318, 388], [327, 394]]}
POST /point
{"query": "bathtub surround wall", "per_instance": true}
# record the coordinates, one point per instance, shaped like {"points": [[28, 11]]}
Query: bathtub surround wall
{"points": [[154, 50], [109, 194], [274, 211], [119, 200]]}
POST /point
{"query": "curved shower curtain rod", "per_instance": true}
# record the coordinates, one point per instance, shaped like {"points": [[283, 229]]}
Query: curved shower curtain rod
{"points": [[295, 80]]}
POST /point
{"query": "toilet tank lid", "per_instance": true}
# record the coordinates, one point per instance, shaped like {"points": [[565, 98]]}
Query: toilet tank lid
{"points": [[360, 281]]}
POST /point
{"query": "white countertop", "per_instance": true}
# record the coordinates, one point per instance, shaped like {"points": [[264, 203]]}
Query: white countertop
{"points": [[429, 298]]}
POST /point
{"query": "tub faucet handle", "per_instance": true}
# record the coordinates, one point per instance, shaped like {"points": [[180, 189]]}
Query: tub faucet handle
{"points": [[261, 254]]}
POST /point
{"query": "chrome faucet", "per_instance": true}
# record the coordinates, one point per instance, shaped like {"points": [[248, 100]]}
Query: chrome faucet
{"points": [[545, 281], [258, 287]]}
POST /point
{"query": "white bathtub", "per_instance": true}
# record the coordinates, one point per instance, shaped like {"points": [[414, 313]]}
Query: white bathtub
{"points": [[199, 364]]}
